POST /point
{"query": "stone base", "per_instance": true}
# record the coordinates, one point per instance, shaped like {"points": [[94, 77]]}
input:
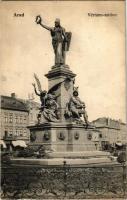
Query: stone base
{"points": [[60, 66], [57, 72], [65, 137]]}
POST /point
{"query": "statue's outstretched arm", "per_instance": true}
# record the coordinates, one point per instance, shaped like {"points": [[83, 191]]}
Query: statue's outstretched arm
{"points": [[46, 27]]}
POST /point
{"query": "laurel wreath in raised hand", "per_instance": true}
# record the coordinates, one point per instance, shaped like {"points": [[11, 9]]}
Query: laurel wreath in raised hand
{"points": [[38, 19]]}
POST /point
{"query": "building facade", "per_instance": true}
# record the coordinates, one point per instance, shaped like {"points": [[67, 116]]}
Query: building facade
{"points": [[14, 118], [111, 131], [16, 115]]}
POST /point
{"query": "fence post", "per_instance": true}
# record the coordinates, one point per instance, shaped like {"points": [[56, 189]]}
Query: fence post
{"points": [[4, 186], [124, 178], [65, 177]]}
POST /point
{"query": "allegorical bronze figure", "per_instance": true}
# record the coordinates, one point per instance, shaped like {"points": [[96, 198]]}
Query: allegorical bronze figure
{"points": [[60, 40], [49, 106], [76, 108]]}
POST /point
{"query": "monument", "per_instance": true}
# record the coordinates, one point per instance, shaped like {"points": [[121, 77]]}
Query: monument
{"points": [[58, 162], [63, 126]]}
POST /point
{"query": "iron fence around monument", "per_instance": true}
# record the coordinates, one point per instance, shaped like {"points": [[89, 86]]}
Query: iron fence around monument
{"points": [[63, 182]]}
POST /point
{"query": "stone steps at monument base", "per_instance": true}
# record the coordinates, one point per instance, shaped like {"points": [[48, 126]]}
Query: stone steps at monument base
{"points": [[58, 161], [78, 154]]}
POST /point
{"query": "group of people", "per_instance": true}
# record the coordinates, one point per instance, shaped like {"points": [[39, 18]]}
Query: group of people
{"points": [[49, 107]]}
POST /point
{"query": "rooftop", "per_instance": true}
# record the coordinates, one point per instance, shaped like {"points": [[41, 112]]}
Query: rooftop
{"points": [[12, 103], [108, 122]]}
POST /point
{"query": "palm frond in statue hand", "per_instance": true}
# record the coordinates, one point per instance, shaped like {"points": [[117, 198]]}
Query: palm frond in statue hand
{"points": [[38, 83]]}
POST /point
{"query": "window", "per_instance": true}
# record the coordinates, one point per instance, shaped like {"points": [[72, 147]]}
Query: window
{"points": [[21, 133], [10, 118], [6, 118], [25, 133], [10, 132], [16, 118], [24, 119], [16, 132], [21, 121], [100, 135]]}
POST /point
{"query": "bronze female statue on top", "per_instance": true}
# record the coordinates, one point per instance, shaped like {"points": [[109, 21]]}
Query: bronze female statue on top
{"points": [[60, 40]]}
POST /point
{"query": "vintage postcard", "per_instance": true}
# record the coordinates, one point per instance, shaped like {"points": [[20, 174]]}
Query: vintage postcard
{"points": [[63, 100]]}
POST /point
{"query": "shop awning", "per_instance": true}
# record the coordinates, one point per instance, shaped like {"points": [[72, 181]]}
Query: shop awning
{"points": [[3, 144], [20, 143], [119, 143]]}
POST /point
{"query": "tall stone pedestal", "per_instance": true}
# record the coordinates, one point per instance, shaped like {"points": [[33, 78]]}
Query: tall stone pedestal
{"points": [[65, 89]]}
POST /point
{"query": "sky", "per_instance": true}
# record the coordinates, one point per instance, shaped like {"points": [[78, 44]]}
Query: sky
{"points": [[97, 51]]}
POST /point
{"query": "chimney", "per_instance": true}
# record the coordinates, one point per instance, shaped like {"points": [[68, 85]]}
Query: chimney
{"points": [[108, 121], [13, 95]]}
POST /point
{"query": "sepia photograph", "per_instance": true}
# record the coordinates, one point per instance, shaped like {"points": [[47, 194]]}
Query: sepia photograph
{"points": [[63, 100]]}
